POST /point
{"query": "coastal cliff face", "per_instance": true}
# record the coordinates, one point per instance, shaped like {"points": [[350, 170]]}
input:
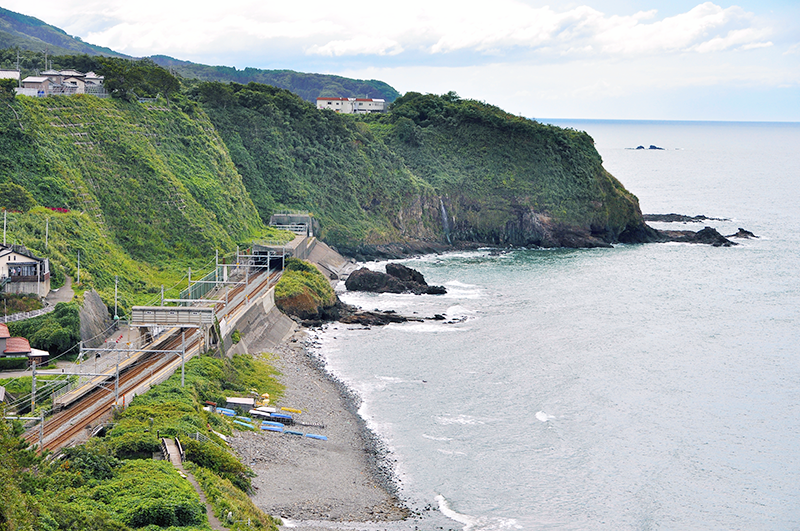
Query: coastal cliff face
{"points": [[435, 171]]}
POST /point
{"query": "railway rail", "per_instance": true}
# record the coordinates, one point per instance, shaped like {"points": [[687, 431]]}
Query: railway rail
{"points": [[95, 401]]}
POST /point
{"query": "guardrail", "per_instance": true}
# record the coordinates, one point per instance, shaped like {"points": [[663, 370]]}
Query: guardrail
{"points": [[180, 449], [27, 315]]}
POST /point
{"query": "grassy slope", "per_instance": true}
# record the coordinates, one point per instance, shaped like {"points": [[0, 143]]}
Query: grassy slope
{"points": [[148, 187], [293, 156]]}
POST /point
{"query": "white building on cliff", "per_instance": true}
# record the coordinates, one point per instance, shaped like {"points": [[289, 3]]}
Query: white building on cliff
{"points": [[352, 105]]}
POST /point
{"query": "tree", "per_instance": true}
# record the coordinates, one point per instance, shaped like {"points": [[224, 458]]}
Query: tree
{"points": [[7, 92], [15, 197]]}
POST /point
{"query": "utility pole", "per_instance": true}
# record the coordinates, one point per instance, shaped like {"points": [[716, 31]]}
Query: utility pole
{"points": [[33, 389], [162, 294], [116, 284], [79, 266], [183, 353], [46, 232], [190, 283], [4, 226]]}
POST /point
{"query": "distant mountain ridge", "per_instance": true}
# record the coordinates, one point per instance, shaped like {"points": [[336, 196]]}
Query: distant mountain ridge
{"points": [[307, 86], [30, 34]]}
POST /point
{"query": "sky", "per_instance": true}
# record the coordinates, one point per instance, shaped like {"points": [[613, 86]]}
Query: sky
{"points": [[587, 59]]}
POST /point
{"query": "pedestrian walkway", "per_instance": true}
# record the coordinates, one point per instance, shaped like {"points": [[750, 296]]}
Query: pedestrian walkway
{"points": [[175, 459]]}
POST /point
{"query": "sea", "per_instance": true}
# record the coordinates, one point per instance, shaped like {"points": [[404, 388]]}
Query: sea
{"points": [[641, 387]]}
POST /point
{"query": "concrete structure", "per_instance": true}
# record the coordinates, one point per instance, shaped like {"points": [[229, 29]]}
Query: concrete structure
{"points": [[23, 272], [352, 105]]}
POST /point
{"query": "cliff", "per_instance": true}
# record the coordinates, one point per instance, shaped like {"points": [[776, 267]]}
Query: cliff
{"points": [[435, 171]]}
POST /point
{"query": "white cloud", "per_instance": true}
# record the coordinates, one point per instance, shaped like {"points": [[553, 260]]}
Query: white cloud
{"points": [[362, 44], [440, 27]]}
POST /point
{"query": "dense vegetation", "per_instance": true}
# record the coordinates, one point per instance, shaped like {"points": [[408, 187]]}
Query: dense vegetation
{"points": [[291, 155], [55, 332], [112, 483], [302, 290]]}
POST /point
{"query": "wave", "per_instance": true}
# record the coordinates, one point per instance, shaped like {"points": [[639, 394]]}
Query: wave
{"points": [[425, 327], [457, 284], [472, 523], [440, 439], [464, 420], [544, 417]]}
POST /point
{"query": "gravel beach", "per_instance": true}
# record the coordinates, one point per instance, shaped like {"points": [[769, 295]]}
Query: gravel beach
{"points": [[314, 484]]}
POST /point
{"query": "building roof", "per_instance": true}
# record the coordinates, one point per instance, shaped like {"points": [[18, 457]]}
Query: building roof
{"points": [[36, 79], [17, 345], [9, 74], [19, 249], [71, 73], [4, 331]]}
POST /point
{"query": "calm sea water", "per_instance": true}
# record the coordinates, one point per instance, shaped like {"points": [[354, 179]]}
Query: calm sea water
{"points": [[641, 387]]}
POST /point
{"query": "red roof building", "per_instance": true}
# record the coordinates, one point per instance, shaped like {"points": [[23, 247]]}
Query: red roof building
{"points": [[17, 346]]}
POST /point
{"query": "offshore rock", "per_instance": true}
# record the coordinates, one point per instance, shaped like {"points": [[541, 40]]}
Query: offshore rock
{"points": [[708, 235], [376, 318], [679, 218], [397, 279], [742, 233]]}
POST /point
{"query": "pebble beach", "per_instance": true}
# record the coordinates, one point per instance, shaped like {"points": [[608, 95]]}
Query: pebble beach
{"points": [[315, 484]]}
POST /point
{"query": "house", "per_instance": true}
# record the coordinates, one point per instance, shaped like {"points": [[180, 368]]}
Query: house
{"points": [[23, 272], [62, 83], [352, 105], [9, 74], [17, 347], [36, 86]]}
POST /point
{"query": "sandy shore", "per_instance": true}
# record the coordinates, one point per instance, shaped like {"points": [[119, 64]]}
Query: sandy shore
{"points": [[311, 483]]}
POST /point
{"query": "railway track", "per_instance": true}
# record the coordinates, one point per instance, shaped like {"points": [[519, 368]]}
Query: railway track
{"points": [[67, 425], [70, 424]]}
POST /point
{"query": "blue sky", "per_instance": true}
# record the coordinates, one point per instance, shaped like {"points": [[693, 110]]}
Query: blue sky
{"points": [[601, 59]]}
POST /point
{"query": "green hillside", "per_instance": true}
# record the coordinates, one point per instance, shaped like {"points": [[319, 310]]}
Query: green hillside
{"points": [[145, 189]]}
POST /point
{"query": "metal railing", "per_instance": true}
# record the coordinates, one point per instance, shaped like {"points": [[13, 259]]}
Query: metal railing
{"points": [[27, 315]]}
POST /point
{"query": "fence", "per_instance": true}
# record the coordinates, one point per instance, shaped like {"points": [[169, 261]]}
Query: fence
{"points": [[201, 287], [27, 315]]}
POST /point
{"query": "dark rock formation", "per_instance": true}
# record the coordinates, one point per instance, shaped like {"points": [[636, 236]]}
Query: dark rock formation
{"points": [[405, 274], [679, 218], [397, 279], [707, 236], [376, 318], [742, 233]]}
